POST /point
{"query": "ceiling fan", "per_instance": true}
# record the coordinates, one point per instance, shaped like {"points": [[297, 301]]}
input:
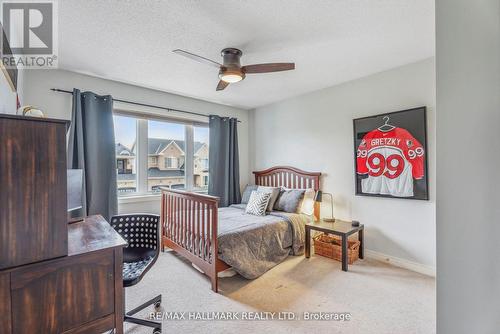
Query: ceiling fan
{"points": [[231, 71]]}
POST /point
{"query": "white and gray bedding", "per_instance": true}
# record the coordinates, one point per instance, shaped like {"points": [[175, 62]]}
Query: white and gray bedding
{"points": [[254, 244]]}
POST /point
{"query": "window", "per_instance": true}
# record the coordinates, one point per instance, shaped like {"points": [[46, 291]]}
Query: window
{"points": [[204, 163], [171, 162], [125, 138], [155, 153], [200, 158], [166, 141], [120, 164]]}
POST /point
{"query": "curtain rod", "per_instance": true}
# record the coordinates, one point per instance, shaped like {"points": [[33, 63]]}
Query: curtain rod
{"points": [[141, 104]]}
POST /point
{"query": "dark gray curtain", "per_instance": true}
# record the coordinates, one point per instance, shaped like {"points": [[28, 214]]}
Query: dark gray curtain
{"points": [[91, 147], [224, 168]]}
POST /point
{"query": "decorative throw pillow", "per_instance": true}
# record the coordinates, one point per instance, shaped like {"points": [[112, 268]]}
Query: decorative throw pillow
{"points": [[274, 191], [258, 203], [247, 192], [289, 200]]}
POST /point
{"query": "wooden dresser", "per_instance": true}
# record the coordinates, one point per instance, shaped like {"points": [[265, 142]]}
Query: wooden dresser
{"points": [[78, 293], [33, 217], [55, 277]]}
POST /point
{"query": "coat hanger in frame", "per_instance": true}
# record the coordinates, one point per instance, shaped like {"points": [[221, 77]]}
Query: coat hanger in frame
{"points": [[386, 127]]}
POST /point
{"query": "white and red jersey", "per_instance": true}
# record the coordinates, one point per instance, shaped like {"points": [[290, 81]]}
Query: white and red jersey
{"points": [[392, 160]]}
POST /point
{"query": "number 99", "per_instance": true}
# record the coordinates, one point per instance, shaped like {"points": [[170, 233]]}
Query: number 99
{"points": [[418, 152], [391, 167]]}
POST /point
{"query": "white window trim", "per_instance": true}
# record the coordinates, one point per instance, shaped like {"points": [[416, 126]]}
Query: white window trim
{"points": [[142, 194], [189, 158], [142, 156], [138, 198]]}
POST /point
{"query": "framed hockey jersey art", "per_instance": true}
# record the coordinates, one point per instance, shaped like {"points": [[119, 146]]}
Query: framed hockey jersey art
{"points": [[390, 152]]}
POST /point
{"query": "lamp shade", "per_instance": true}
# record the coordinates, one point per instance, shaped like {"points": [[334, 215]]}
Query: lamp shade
{"points": [[319, 196]]}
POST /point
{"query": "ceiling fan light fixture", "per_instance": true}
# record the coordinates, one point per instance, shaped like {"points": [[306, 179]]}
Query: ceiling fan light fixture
{"points": [[231, 71], [231, 75], [231, 78]]}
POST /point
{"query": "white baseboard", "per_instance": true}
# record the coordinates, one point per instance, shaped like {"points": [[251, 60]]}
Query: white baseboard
{"points": [[402, 263]]}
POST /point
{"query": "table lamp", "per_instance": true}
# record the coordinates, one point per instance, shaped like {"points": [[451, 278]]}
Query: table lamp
{"points": [[319, 198]]}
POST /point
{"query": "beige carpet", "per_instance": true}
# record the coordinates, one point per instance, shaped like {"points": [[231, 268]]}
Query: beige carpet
{"points": [[380, 298]]}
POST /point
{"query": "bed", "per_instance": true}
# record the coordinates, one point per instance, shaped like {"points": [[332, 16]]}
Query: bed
{"points": [[215, 239]]}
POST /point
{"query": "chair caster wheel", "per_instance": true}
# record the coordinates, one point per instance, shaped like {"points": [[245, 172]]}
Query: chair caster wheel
{"points": [[157, 305], [157, 331]]}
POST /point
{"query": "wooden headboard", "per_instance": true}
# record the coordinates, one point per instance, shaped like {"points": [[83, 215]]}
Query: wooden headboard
{"points": [[289, 177]]}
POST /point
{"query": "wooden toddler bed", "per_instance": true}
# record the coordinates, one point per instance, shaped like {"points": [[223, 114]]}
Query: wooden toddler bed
{"points": [[189, 220]]}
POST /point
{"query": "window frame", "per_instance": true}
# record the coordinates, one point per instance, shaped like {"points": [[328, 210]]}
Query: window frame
{"points": [[142, 157]]}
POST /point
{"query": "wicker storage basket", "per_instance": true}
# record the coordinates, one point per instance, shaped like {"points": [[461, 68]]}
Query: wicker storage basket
{"points": [[331, 246]]}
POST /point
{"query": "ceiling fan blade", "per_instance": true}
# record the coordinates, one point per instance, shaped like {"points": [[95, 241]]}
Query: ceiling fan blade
{"points": [[197, 58], [265, 68], [222, 84]]}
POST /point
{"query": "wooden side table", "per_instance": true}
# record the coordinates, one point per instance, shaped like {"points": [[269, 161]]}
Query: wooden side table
{"points": [[340, 228]]}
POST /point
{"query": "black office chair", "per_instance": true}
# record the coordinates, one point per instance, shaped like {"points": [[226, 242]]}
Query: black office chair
{"points": [[142, 233]]}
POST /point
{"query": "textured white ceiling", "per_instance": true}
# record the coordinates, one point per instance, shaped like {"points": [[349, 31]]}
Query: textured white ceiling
{"points": [[330, 41]]}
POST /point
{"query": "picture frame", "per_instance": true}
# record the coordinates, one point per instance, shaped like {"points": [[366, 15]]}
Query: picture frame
{"points": [[9, 72], [390, 155]]}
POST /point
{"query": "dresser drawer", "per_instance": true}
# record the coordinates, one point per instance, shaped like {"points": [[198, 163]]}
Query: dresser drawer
{"points": [[72, 290]]}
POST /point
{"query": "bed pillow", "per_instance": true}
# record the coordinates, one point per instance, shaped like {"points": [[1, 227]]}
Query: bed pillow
{"points": [[289, 200], [247, 192], [274, 191], [257, 204]]}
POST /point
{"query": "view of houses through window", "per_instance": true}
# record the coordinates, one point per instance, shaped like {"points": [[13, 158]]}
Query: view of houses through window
{"points": [[200, 160], [166, 155], [166, 164], [125, 139]]}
